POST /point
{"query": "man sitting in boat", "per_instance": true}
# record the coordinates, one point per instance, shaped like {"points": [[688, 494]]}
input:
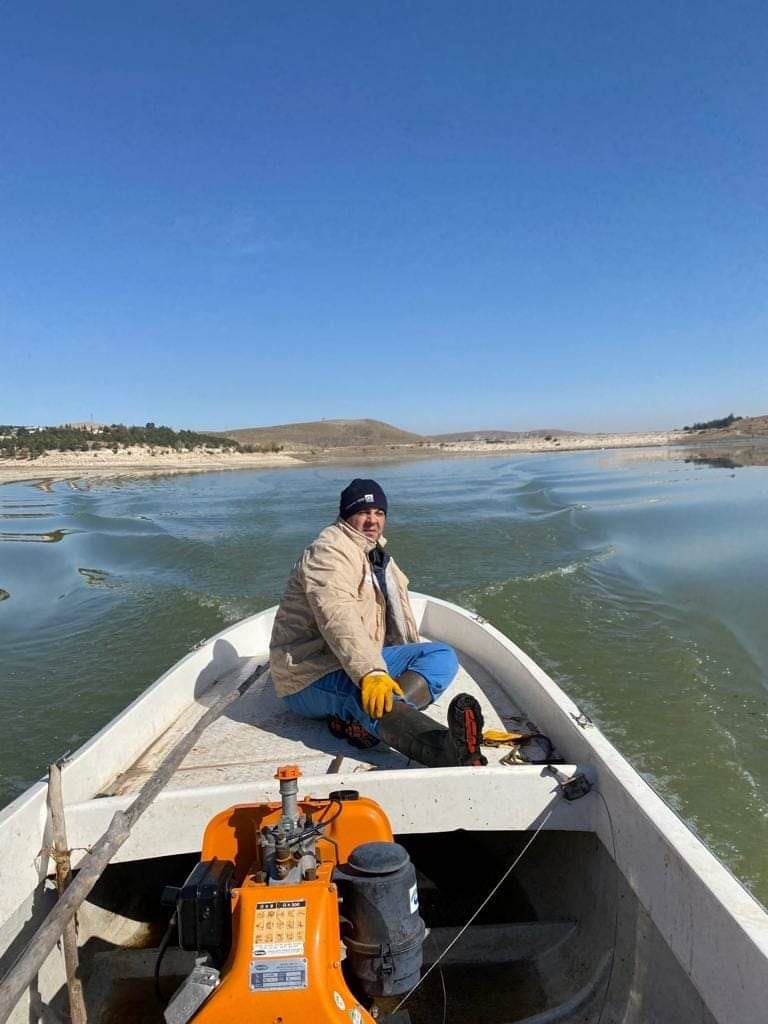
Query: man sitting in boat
{"points": [[345, 646]]}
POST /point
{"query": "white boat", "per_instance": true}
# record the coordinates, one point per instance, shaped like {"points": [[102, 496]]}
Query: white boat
{"points": [[615, 912]]}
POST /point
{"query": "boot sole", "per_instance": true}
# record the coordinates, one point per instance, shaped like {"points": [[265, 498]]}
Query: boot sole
{"points": [[352, 732], [465, 722]]}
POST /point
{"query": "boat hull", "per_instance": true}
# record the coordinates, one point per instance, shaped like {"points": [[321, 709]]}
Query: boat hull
{"points": [[684, 918]]}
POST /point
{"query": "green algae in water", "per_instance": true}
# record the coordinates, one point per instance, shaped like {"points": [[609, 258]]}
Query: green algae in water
{"points": [[94, 576], [51, 537]]}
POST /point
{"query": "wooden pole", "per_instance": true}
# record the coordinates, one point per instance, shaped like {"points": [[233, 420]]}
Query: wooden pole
{"points": [[92, 866], [77, 1012]]}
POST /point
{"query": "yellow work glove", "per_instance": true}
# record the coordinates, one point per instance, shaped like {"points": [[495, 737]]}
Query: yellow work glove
{"points": [[377, 689]]}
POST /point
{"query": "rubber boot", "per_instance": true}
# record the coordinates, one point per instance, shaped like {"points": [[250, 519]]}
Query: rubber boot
{"points": [[416, 692], [419, 738]]}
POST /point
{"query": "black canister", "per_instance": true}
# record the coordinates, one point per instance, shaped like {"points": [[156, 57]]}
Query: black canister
{"points": [[381, 927]]}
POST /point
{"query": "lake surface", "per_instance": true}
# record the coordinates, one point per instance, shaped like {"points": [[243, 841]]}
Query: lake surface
{"points": [[638, 580]]}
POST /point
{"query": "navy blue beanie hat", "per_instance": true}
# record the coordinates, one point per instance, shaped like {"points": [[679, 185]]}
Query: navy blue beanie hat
{"points": [[359, 495]]}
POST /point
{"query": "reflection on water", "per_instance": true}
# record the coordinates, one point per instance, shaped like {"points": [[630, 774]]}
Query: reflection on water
{"points": [[717, 462], [734, 458], [725, 455], [716, 455]]}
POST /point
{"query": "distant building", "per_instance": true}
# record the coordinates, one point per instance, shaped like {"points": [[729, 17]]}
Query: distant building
{"points": [[91, 426]]}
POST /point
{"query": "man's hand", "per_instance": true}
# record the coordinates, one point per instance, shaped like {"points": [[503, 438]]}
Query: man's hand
{"points": [[377, 689]]}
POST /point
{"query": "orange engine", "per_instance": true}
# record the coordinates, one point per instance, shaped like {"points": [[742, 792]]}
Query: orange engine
{"points": [[262, 911]]}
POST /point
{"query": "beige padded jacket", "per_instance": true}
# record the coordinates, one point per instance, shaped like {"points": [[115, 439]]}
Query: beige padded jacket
{"points": [[333, 613]]}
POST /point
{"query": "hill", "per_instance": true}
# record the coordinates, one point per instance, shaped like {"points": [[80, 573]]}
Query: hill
{"points": [[741, 426], [749, 425], [324, 434]]}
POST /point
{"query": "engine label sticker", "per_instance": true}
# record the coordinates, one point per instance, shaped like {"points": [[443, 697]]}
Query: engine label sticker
{"points": [[414, 898], [279, 928], [278, 975]]}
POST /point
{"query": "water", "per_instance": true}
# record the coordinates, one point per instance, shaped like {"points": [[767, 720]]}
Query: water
{"points": [[637, 580]]}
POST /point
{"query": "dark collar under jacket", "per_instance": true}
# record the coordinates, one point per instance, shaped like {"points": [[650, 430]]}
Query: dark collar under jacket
{"points": [[378, 558]]}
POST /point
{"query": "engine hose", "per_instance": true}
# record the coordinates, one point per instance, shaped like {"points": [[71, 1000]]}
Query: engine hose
{"points": [[318, 826], [160, 954]]}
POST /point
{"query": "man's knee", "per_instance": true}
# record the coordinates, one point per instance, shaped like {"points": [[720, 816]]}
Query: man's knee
{"points": [[446, 663], [438, 664]]}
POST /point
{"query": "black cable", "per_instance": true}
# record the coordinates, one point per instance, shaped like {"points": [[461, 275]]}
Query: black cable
{"points": [[616, 905], [442, 978], [475, 914], [317, 827], [160, 954], [332, 800]]}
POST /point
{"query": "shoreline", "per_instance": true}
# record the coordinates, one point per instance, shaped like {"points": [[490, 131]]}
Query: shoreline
{"points": [[141, 462], [137, 462]]}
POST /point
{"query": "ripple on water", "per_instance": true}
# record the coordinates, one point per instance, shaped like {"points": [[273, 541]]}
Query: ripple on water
{"points": [[23, 515], [230, 609]]}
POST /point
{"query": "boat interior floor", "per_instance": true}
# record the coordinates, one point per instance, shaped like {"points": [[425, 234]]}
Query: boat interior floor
{"points": [[562, 940], [510, 965], [257, 732]]}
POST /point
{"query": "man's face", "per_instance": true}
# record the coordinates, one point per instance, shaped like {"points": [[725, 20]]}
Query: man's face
{"points": [[369, 522]]}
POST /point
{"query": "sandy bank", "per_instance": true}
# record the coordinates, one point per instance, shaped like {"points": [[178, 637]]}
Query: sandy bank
{"points": [[135, 461], [565, 443], [522, 446]]}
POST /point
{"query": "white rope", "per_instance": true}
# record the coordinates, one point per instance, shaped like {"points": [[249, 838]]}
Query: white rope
{"points": [[482, 906]]}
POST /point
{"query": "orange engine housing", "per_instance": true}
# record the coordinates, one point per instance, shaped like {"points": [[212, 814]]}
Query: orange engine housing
{"points": [[284, 965]]}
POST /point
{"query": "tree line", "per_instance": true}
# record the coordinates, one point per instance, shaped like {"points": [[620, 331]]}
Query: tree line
{"points": [[22, 443], [726, 421]]}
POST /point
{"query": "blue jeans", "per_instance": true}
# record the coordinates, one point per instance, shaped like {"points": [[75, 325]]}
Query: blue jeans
{"points": [[336, 694]]}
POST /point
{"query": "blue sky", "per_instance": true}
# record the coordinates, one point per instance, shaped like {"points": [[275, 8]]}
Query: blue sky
{"points": [[442, 215]]}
